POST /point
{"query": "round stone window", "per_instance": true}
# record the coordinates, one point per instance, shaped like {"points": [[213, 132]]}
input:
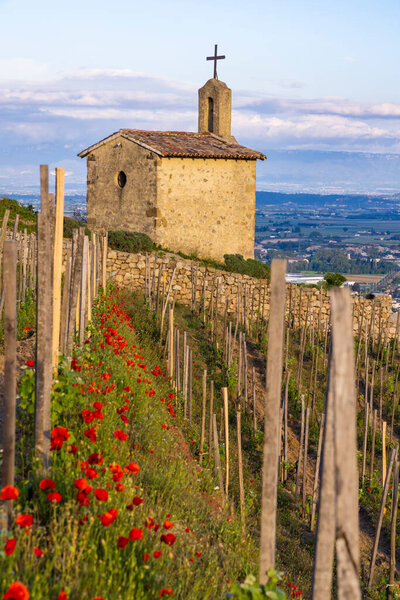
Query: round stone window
{"points": [[121, 179]]}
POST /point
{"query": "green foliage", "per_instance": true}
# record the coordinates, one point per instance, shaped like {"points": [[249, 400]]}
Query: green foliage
{"points": [[27, 215], [26, 314], [71, 224], [130, 241], [253, 268], [334, 280], [250, 590]]}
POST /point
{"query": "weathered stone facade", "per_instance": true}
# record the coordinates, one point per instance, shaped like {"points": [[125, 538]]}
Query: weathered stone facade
{"points": [[193, 192]]}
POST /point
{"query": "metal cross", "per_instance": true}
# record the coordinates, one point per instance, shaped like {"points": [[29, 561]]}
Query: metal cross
{"points": [[215, 58]]}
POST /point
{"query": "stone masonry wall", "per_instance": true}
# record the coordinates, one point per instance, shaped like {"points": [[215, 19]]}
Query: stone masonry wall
{"points": [[243, 292]]}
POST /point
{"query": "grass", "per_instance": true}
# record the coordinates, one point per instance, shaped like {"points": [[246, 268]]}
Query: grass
{"points": [[82, 556]]}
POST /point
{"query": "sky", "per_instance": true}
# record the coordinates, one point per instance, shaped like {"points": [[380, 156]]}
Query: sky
{"points": [[315, 84]]}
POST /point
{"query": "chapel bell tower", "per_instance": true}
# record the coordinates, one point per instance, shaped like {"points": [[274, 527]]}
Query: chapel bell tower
{"points": [[215, 105]]}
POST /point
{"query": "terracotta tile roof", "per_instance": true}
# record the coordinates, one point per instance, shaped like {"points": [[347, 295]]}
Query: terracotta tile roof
{"points": [[182, 144]]}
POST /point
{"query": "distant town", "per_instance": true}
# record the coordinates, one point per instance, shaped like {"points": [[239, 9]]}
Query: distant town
{"points": [[358, 236]]}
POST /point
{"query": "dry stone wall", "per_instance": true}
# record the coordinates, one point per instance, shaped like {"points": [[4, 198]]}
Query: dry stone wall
{"points": [[245, 295]]}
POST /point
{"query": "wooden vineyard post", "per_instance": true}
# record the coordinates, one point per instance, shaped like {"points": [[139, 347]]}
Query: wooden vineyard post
{"points": [[338, 505], [300, 453], [395, 501], [104, 262], [305, 460], [217, 459], [383, 450], [316, 474], [240, 468], [203, 416], [272, 418], [190, 375], [325, 535], [364, 455], [76, 270], [210, 418], [89, 288], [226, 437], [83, 288], [346, 470], [44, 317], [64, 302], [58, 246], [392, 458], [10, 365], [371, 464], [253, 390], [171, 343]]}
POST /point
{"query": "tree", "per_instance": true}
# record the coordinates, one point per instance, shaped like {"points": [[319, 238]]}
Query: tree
{"points": [[334, 280]]}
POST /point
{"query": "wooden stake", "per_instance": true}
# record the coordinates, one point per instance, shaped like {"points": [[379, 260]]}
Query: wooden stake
{"points": [[300, 453], [10, 365], [272, 418], [58, 247], [203, 416], [226, 435], [217, 458], [392, 458], [383, 450], [240, 468], [346, 470], [210, 420], [316, 474], [44, 318], [393, 530]]}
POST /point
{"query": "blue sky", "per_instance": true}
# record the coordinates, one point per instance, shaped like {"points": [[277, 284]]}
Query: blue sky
{"points": [[308, 78]]}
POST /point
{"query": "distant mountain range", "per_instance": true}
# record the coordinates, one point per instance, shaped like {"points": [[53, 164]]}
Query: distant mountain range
{"points": [[355, 201]]}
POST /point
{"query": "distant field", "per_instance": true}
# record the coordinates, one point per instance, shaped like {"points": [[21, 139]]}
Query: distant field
{"points": [[363, 278]]}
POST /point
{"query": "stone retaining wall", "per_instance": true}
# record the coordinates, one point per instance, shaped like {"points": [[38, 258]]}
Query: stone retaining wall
{"points": [[244, 294]]}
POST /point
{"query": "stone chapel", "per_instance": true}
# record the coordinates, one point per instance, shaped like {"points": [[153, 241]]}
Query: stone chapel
{"points": [[193, 192]]}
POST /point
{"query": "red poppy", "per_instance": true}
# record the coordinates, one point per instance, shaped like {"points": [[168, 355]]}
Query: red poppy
{"points": [[38, 552], [54, 497], [62, 596], [24, 520], [133, 468], [47, 484], [149, 523], [16, 591], [82, 484], [91, 473], [135, 534], [166, 592], [122, 541], [83, 497], [146, 557], [101, 495], [95, 459], [168, 524], [91, 434], [30, 363], [168, 539], [137, 501], [108, 517], [58, 436], [157, 554], [9, 492], [120, 435], [9, 546]]}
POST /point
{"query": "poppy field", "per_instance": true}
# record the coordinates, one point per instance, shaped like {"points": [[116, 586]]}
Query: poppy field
{"points": [[124, 511]]}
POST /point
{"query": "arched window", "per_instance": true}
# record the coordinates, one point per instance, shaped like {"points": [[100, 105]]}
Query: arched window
{"points": [[210, 115]]}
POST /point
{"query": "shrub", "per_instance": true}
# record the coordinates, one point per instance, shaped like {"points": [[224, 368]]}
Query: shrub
{"points": [[128, 241], [334, 280], [71, 224], [250, 267]]}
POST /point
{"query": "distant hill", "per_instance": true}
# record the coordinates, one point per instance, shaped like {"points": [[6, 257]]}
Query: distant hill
{"points": [[325, 200]]}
